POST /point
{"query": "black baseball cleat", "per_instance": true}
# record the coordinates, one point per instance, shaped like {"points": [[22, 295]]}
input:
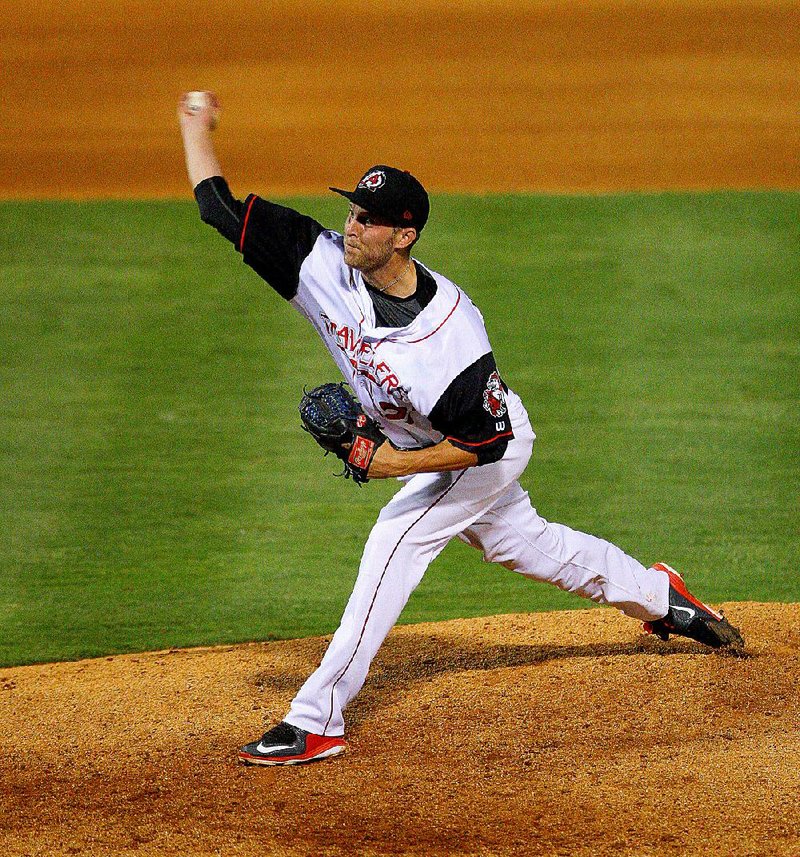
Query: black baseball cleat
{"points": [[688, 617], [285, 744]]}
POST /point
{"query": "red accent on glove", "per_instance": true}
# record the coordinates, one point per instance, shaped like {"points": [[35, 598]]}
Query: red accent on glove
{"points": [[361, 452]]}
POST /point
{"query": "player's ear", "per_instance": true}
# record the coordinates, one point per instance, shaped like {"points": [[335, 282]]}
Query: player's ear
{"points": [[405, 237]]}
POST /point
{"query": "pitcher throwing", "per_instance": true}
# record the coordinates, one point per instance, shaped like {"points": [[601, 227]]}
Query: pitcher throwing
{"points": [[414, 349]]}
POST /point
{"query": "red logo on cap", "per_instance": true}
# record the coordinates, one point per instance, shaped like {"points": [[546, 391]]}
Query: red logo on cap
{"points": [[407, 215], [373, 180]]}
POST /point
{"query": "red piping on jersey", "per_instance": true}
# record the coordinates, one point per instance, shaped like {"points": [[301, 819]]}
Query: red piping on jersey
{"points": [[421, 339], [244, 227], [482, 442]]}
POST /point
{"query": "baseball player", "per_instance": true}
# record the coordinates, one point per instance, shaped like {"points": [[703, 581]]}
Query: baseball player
{"points": [[414, 349]]}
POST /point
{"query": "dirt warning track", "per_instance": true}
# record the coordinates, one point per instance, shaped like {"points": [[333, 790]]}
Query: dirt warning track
{"points": [[561, 733], [472, 95]]}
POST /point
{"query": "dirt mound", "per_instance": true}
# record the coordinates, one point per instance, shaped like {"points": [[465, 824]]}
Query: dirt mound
{"points": [[559, 733]]}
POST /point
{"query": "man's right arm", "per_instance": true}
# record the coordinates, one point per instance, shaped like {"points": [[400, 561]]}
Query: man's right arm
{"points": [[217, 205], [274, 240], [197, 125]]}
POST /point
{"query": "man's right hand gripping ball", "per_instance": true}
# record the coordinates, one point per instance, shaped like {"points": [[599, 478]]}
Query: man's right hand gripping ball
{"points": [[333, 417]]}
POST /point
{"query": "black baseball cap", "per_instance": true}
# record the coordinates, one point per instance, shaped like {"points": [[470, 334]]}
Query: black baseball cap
{"points": [[391, 193]]}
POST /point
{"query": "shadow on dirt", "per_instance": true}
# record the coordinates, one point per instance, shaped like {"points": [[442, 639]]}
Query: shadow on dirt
{"points": [[409, 659]]}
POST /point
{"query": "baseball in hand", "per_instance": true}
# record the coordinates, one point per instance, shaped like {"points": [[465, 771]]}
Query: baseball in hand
{"points": [[195, 102]]}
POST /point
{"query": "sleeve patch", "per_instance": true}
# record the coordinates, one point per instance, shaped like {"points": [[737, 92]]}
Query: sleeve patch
{"points": [[472, 413], [494, 398]]}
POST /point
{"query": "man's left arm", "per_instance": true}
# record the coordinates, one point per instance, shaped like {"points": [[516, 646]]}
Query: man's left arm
{"points": [[472, 414], [440, 458]]}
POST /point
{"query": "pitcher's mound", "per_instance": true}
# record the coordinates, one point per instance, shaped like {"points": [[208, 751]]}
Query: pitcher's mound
{"points": [[553, 733]]}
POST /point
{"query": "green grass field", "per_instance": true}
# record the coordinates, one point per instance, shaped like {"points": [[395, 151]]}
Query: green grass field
{"points": [[156, 488]]}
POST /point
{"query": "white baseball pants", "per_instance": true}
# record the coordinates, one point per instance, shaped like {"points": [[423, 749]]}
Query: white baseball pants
{"points": [[486, 507]]}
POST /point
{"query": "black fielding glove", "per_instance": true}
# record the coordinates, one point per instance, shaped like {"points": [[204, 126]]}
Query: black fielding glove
{"points": [[333, 417]]}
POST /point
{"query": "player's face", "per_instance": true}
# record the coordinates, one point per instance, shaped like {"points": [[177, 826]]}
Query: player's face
{"points": [[369, 241]]}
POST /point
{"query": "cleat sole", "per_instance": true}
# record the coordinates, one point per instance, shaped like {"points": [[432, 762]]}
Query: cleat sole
{"points": [[266, 761]]}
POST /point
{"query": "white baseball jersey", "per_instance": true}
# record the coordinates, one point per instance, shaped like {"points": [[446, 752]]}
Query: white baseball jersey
{"points": [[398, 375], [432, 379]]}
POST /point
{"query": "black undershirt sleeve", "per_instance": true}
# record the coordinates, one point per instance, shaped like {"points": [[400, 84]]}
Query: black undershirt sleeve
{"points": [[219, 208], [273, 239], [472, 413]]}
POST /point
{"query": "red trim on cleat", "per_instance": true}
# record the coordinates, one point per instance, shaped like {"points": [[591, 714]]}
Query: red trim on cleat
{"points": [[317, 747], [676, 581]]}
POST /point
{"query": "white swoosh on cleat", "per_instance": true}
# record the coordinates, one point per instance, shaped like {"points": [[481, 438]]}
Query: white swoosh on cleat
{"points": [[273, 748], [692, 613]]}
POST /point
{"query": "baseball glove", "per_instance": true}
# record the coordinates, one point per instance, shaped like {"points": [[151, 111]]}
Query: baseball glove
{"points": [[333, 417]]}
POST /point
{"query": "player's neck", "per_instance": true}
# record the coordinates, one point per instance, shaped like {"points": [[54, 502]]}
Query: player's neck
{"points": [[397, 280]]}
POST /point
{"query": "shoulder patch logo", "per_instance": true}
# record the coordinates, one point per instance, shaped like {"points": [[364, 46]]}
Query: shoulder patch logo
{"points": [[494, 399], [374, 180]]}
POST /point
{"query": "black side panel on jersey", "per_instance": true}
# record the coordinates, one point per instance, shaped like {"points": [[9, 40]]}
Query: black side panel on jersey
{"points": [[472, 412], [275, 241]]}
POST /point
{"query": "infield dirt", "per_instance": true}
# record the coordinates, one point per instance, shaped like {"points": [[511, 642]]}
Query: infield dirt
{"points": [[553, 733]]}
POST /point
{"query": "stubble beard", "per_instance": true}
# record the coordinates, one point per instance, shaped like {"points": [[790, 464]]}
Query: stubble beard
{"points": [[352, 257], [367, 263]]}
